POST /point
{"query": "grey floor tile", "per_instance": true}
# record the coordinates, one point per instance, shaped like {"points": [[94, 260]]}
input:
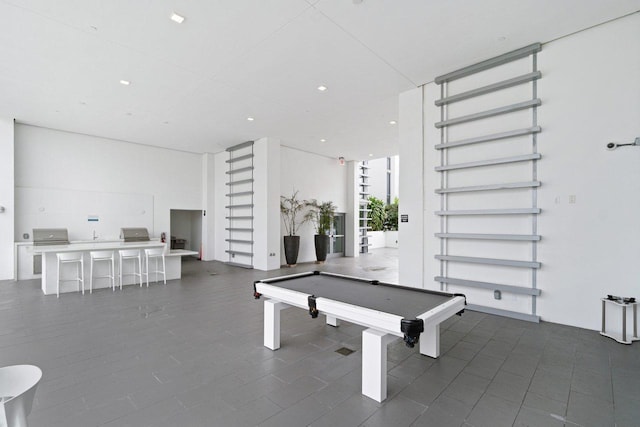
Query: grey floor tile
{"points": [[528, 417], [397, 412], [509, 386], [492, 411], [484, 366], [351, 412], [588, 411]]}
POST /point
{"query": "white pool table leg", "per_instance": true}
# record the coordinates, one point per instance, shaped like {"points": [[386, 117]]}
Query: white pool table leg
{"points": [[430, 340], [333, 321], [272, 323], [374, 364]]}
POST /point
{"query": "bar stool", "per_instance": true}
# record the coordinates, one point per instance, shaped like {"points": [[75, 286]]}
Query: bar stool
{"points": [[103, 256], [134, 254], [155, 253], [70, 258]]}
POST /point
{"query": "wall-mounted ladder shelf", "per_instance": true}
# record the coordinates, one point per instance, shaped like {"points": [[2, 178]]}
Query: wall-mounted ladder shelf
{"points": [[363, 201], [240, 205], [466, 226]]}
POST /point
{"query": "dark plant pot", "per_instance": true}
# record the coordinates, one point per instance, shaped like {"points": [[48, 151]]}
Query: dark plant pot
{"points": [[322, 246], [291, 248]]}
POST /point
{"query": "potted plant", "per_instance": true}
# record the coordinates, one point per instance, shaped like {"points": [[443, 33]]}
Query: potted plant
{"points": [[321, 214], [291, 209]]}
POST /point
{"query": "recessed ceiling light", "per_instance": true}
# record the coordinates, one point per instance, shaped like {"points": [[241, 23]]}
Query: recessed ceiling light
{"points": [[250, 119], [370, 155], [323, 140], [322, 88], [177, 18], [393, 122], [125, 82]]}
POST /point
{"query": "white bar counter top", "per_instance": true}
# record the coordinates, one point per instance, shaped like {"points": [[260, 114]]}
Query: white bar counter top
{"points": [[96, 246]]}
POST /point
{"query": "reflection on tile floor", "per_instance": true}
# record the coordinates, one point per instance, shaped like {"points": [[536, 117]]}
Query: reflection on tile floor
{"points": [[190, 354]]}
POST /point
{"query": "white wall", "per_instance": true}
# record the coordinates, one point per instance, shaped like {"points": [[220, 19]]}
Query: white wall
{"points": [[6, 199], [591, 90], [590, 96], [51, 159], [315, 177], [378, 178]]}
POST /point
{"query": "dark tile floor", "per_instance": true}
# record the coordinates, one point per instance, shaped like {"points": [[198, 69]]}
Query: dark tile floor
{"points": [[191, 354]]}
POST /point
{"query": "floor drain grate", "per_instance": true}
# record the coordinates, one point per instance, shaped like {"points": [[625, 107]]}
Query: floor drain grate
{"points": [[344, 351]]}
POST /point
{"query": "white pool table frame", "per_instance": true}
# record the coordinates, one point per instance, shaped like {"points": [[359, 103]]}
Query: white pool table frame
{"points": [[382, 328]]}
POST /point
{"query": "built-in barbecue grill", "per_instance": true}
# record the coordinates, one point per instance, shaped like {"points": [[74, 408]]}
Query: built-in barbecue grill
{"points": [[134, 234], [50, 236], [46, 237]]}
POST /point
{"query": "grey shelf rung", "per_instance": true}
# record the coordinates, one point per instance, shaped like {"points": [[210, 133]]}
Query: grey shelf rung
{"points": [[364, 184], [525, 211], [364, 166], [248, 205], [363, 176], [514, 237], [242, 181], [247, 242], [525, 78], [490, 113], [239, 217], [362, 245], [487, 285], [489, 261], [237, 264], [240, 146], [363, 193], [243, 253], [239, 158], [231, 172], [489, 138], [243, 229], [504, 313], [241, 193], [489, 63], [500, 161], [363, 202], [511, 185]]}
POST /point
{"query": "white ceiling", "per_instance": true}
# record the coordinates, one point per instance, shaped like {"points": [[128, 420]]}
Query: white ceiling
{"points": [[194, 84]]}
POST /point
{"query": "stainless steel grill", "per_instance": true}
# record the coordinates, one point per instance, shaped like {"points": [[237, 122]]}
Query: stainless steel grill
{"points": [[50, 236], [134, 234]]}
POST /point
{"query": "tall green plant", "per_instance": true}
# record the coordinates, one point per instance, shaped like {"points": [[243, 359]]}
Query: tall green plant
{"points": [[321, 214], [376, 214], [391, 212], [292, 211]]}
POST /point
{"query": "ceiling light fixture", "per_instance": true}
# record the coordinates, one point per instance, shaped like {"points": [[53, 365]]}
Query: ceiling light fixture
{"points": [[125, 82], [323, 140], [250, 119], [370, 155], [322, 88], [393, 122], [177, 18]]}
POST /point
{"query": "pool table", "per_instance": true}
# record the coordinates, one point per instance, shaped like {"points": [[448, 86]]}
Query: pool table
{"points": [[388, 311]]}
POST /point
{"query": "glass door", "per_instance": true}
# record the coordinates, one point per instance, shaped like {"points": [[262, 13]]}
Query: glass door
{"points": [[336, 245]]}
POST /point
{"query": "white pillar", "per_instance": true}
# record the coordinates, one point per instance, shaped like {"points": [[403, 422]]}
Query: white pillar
{"points": [[7, 204], [208, 207], [411, 233], [266, 201]]}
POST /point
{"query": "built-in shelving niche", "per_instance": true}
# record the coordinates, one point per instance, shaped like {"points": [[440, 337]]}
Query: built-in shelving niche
{"points": [[489, 183]]}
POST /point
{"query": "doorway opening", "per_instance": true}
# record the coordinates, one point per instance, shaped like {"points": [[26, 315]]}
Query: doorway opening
{"points": [[186, 230]]}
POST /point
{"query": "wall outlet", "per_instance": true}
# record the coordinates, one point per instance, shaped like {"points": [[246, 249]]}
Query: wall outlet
{"points": [[497, 295]]}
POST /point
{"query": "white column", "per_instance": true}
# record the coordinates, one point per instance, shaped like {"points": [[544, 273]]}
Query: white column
{"points": [[411, 233], [266, 200], [7, 205], [374, 364], [208, 207], [272, 323], [352, 239]]}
